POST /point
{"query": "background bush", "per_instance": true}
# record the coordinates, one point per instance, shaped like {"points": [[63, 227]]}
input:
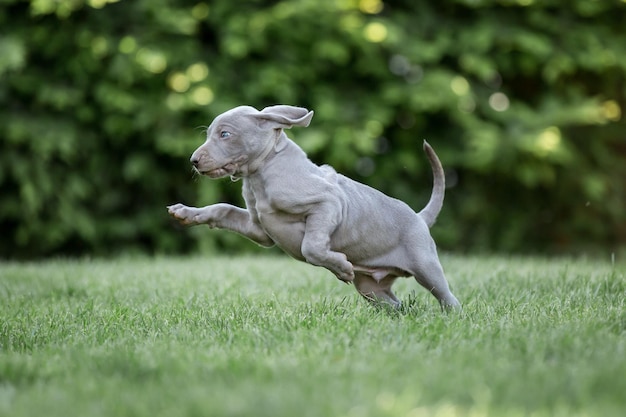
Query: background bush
{"points": [[102, 102]]}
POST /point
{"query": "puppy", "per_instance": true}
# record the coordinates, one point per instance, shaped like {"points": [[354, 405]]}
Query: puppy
{"points": [[313, 213]]}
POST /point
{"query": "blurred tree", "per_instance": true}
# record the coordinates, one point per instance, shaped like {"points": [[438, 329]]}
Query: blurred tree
{"points": [[103, 101]]}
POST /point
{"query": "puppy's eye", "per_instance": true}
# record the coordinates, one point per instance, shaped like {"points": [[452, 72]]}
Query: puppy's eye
{"points": [[224, 134]]}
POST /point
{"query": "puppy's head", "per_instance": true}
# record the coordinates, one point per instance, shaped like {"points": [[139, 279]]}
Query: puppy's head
{"points": [[239, 140]]}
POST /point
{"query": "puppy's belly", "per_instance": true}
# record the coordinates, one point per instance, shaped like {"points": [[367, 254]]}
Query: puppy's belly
{"points": [[380, 273]]}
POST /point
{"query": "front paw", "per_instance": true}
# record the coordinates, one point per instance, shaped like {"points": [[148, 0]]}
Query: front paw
{"points": [[186, 215]]}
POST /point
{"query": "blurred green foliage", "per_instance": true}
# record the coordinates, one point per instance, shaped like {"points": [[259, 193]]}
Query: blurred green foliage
{"points": [[102, 102]]}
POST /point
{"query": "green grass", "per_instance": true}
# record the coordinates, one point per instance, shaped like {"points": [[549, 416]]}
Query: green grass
{"points": [[247, 336]]}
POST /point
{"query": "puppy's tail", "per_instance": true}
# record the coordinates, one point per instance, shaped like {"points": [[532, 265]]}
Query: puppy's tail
{"points": [[432, 209]]}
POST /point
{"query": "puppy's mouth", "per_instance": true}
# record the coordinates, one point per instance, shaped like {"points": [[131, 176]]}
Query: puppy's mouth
{"points": [[230, 169]]}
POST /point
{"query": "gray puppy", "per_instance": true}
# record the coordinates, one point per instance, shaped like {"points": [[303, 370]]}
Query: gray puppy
{"points": [[313, 213]]}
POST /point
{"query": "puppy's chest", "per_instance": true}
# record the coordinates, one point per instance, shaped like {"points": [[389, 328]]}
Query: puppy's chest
{"points": [[273, 210], [275, 204], [284, 223]]}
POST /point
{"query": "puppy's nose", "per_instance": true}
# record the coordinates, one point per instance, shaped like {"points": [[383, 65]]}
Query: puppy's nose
{"points": [[195, 161]]}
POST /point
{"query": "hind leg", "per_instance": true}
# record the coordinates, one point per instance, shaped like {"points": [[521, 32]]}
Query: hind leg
{"points": [[422, 262], [429, 274], [376, 291]]}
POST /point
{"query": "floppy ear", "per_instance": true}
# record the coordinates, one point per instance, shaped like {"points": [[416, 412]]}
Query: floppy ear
{"points": [[284, 117]]}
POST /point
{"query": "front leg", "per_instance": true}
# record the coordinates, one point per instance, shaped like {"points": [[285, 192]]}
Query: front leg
{"points": [[316, 245], [222, 216]]}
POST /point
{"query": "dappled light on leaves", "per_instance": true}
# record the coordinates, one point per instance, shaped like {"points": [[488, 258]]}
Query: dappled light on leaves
{"points": [[459, 85], [179, 82], [375, 32], [611, 110], [499, 101], [548, 141], [371, 6]]}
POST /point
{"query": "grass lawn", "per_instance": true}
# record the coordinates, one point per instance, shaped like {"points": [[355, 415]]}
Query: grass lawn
{"points": [[268, 336]]}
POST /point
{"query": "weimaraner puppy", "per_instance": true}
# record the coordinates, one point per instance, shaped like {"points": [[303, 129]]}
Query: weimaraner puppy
{"points": [[313, 213]]}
